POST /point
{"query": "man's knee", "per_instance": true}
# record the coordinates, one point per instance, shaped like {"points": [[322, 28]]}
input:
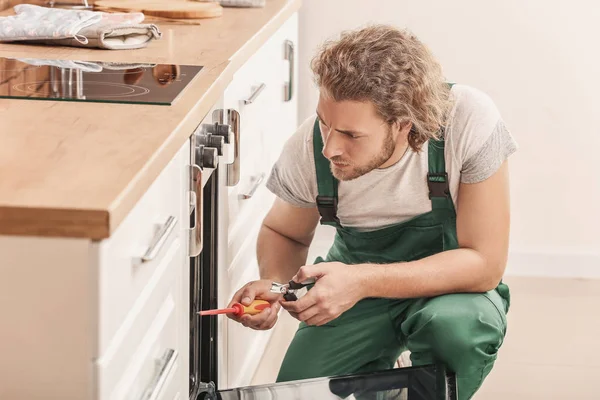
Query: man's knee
{"points": [[464, 331]]}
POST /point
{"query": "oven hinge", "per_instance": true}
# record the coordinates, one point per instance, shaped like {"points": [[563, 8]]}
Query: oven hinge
{"points": [[206, 391]]}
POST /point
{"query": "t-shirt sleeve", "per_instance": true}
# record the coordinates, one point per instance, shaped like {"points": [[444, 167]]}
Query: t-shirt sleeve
{"points": [[479, 136], [293, 176]]}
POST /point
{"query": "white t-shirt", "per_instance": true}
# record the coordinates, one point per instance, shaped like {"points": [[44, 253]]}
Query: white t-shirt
{"points": [[477, 142]]}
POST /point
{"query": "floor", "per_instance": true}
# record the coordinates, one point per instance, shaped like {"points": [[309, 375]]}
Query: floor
{"points": [[551, 351]]}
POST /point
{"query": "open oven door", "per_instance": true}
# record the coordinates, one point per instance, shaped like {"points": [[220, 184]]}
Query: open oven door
{"points": [[430, 382]]}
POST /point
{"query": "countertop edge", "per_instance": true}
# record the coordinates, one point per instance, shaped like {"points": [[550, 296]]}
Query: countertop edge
{"points": [[54, 223]]}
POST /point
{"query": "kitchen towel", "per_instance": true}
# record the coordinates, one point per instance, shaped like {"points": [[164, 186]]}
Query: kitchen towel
{"points": [[82, 28], [110, 36]]}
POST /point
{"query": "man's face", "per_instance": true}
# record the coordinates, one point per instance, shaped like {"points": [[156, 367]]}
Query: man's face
{"points": [[356, 140]]}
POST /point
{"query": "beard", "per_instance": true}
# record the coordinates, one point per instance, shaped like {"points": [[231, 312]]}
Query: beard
{"points": [[348, 171]]}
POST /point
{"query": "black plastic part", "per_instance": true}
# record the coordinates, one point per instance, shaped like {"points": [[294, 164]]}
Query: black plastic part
{"points": [[290, 297], [299, 285], [438, 185], [328, 209]]}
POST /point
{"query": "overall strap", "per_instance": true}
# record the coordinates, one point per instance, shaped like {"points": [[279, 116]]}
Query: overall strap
{"points": [[437, 178], [327, 185]]}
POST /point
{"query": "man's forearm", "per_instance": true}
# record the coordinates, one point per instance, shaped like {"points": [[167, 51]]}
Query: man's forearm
{"points": [[279, 257], [453, 271]]}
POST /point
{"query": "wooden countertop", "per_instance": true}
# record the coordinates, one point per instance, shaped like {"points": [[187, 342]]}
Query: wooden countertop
{"points": [[76, 169]]}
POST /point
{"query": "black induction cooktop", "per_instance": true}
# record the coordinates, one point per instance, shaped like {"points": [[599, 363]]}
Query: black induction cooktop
{"points": [[93, 81]]}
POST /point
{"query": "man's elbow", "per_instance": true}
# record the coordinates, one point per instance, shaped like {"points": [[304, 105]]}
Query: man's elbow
{"points": [[492, 276]]}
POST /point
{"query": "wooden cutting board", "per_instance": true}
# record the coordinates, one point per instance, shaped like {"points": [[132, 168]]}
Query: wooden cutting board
{"points": [[164, 8]]}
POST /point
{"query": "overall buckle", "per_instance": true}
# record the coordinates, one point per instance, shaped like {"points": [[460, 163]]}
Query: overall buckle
{"points": [[438, 184], [328, 209]]}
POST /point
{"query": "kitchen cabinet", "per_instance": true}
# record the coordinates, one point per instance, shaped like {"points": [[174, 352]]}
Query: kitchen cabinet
{"points": [[93, 319], [143, 306], [263, 92], [110, 319]]}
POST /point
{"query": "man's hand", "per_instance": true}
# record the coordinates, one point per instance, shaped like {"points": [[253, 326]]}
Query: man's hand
{"points": [[337, 289], [257, 290]]}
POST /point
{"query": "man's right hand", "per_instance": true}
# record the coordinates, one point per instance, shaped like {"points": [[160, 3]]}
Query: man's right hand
{"points": [[257, 290]]}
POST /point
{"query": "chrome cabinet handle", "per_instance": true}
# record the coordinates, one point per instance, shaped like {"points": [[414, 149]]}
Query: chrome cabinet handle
{"points": [[289, 55], [232, 118], [167, 362], [255, 186], [255, 94], [159, 239], [195, 237]]}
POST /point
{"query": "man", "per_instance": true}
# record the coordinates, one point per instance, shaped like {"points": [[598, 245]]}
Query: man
{"points": [[412, 172]]}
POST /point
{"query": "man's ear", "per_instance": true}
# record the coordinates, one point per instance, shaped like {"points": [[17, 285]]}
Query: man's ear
{"points": [[400, 129]]}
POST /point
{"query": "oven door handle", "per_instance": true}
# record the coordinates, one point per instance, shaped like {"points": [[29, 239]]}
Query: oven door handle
{"points": [[196, 207], [232, 118]]}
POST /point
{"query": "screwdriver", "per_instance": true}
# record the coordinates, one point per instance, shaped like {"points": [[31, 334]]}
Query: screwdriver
{"points": [[238, 309]]}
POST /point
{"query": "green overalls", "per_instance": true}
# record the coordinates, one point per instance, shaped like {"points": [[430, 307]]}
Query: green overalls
{"points": [[463, 331]]}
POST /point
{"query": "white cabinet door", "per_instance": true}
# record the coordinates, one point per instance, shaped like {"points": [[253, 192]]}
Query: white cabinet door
{"points": [[144, 303], [282, 114], [245, 346], [263, 91], [267, 119]]}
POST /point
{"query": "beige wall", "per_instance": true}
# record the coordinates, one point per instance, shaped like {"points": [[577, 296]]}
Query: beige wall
{"points": [[538, 59]]}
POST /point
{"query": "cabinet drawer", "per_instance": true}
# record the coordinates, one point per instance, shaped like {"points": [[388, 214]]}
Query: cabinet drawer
{"points": [[153, 229], [249, 214], [254, 163], [135, 362], [254, 170], [242, 263]]}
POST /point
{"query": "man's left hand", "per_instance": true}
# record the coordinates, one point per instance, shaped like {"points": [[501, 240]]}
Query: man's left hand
{"points": [[338, 287]]}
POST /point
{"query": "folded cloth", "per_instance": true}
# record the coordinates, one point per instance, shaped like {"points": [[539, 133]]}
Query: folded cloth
{"points": [[35, 23], [123, 18], [107, 35], [80, 28]]}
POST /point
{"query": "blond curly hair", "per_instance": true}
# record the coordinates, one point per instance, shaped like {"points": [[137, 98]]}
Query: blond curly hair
{"points": [[391, 68]]}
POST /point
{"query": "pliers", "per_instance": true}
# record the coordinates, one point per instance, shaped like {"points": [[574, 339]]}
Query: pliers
{"points": [[290, 289]]}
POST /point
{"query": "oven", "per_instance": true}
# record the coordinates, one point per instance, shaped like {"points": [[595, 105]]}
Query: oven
{"points": [[214, 166]]}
